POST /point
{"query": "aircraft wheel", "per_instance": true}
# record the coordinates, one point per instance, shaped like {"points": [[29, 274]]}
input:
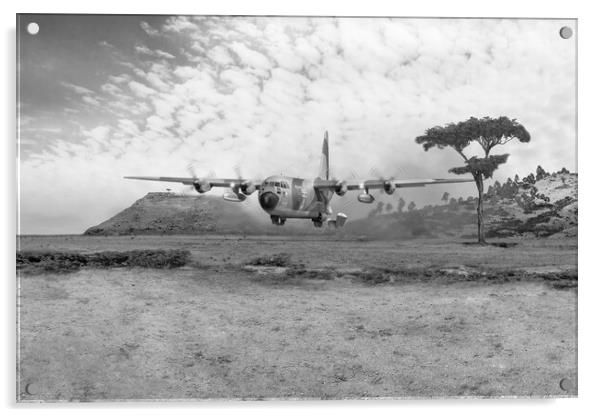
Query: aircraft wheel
{"points": [[281, 221], [317, 223]]}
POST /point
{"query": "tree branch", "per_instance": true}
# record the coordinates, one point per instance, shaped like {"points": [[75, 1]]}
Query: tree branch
{"points": [[461, 154]]}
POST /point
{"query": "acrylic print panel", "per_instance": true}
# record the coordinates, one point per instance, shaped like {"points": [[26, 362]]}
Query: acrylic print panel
{"points": [[317, 208]]}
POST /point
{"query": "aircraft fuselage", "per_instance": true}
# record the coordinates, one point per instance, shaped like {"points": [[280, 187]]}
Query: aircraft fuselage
{"points": [[290, 197]]}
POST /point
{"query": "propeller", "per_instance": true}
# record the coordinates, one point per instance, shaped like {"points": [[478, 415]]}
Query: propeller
{"points": [[236, 187], [243, 188], [337, 202], [375, 172], [192, 172]]}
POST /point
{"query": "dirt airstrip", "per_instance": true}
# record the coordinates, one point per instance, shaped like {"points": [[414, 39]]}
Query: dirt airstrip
{"points": [[442, 319]]}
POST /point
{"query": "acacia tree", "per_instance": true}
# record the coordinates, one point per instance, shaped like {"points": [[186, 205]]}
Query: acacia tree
{"points": [[488, 133], [400, 205]]}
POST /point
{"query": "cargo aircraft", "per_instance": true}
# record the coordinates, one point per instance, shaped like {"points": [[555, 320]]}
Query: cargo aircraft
{"points": [[285, 197]]}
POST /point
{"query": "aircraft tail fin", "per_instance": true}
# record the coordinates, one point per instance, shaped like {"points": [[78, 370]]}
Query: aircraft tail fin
{"points": [[325, 163]]}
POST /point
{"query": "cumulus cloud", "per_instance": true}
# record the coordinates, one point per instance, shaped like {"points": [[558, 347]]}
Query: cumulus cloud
{"points": [[77, 88], [157, 53], [140, 89], [149, 29], [259, 92]]}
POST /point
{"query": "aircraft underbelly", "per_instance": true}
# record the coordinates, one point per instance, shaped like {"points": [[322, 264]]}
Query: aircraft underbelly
{"points": [[293, 214]]}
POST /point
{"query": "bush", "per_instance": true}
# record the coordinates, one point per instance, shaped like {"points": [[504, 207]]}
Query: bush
{"points": [[278, 259], [71, 261], [158, 259]]}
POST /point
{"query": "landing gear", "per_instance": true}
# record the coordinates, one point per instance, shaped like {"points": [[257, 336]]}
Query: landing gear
{"points": [[277, 220], [318, 221]]}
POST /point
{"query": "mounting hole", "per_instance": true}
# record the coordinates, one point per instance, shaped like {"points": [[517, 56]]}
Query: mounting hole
{"points": [[30, 389], [566, 32], [566, 384], [33, 28]]}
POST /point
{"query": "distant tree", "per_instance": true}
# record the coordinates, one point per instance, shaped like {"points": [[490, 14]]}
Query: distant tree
{"points": [[504, 191], [529, 179], [497, 186], [379, 207], [509, 188], [453, 203], [445, 196], [388, 207], [516, 179], [400, 205], [540, 173], [411, 206], [488, 133]]}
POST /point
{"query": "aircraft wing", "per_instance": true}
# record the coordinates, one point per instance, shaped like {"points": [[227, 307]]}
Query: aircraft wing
{"points": [[372, 184], [214, 182]]}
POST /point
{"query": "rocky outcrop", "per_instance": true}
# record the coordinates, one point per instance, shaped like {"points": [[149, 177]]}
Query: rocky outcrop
{"points": [[169, 213]]}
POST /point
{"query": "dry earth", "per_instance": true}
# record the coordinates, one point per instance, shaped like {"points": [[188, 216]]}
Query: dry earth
{"points": [[215, 330]]}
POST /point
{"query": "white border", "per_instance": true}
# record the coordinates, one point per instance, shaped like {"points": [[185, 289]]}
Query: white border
{"points": [[590, 290]]}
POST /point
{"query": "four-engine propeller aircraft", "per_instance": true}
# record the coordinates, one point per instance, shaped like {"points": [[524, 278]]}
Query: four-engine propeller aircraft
{"points": [[299, 198]]}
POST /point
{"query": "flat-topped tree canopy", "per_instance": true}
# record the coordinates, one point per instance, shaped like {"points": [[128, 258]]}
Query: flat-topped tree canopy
{"points": [[483, 166], [486, 131]]}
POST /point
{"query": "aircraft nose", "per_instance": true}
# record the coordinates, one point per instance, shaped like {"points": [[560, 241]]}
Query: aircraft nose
{"points": [[268, 200]]}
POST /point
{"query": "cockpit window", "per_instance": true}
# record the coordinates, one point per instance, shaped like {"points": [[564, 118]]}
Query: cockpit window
{"points": [[282, 184]]}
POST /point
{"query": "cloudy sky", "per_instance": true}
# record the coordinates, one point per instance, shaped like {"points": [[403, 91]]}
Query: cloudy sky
{"points": [[106, 96]]}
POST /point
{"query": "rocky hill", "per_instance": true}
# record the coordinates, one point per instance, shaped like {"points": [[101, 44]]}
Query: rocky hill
{"points": [[169, 213], [539, 205]]}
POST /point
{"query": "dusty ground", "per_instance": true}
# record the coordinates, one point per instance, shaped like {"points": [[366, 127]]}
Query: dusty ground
{"points": [[214, 330]]}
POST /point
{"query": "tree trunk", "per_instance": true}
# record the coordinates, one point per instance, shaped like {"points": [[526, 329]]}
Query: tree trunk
{"points": [[481, 229]]}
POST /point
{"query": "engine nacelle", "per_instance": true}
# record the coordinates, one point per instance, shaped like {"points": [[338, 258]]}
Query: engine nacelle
{"points": [[201, 186], [340, 188], [247, 187], [389, 187], [235, 197], [365, 198]]}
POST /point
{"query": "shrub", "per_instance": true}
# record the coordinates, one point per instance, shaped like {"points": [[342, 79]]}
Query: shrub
{"points": [[278, 259], [71, 261]]}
